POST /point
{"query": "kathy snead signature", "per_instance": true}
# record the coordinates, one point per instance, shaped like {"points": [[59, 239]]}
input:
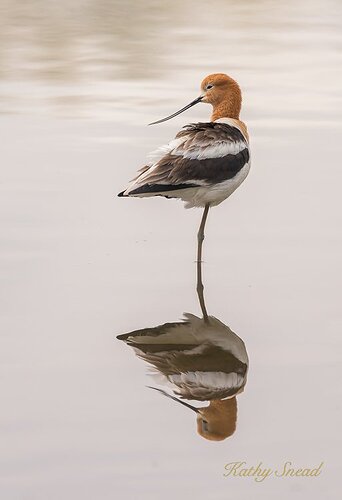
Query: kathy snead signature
{"points": [[260, 472]]}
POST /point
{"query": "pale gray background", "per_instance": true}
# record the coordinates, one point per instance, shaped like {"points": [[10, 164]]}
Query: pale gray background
{"points": [[79, 81]]}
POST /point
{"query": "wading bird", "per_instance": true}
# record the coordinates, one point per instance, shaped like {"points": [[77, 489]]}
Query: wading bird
{"points": [[199, 360], [206, 162]]}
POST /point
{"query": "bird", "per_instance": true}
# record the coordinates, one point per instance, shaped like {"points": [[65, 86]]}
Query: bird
{"points": [[206, 161], [200, 360]]}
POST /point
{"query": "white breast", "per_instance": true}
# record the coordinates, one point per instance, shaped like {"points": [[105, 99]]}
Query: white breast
{"points": [[201, 383]]}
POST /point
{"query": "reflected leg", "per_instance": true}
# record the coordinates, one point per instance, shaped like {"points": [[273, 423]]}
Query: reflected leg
{"points": [[200, 238]]}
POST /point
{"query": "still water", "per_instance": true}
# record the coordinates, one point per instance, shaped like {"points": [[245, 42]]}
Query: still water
{"points": [[79, 81]]}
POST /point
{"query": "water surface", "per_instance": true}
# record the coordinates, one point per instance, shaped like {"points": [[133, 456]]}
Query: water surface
{"points": [[78, 84]]}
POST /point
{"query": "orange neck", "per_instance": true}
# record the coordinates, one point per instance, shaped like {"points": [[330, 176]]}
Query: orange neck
{"points": [[229, 105], [223, 404]]}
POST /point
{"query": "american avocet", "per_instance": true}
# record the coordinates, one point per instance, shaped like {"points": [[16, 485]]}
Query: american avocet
{"points": [[206, 162], [200, 360]]}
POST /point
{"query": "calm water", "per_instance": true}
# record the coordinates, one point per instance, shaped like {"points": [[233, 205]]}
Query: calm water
{"points": [[78, 83]]}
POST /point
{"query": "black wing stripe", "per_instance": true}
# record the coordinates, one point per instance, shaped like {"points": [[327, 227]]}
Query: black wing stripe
{"points": [[159, 188], [209, 170], [185, 172]]}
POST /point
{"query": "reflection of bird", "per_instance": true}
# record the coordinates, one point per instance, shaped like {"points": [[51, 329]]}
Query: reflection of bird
{"points": [[201, 360], [206, 162]]}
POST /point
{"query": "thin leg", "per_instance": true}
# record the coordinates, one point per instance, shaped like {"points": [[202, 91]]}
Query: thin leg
{"points": [[200, 288]]}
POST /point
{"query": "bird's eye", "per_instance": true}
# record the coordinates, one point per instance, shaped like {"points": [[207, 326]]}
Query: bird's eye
{"points": [[205, 426], [209, 86]]}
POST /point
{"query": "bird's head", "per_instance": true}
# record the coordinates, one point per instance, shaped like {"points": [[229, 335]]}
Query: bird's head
{"points": [[214, 422], [219, 87], [217, 421], [219, 90]]}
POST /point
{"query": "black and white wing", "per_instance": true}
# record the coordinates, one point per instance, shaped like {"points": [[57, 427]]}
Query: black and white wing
{"points": [[201, 155]]}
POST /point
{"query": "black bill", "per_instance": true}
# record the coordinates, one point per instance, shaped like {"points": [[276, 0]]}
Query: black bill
{"points": [[179, 112], [175, 399]]}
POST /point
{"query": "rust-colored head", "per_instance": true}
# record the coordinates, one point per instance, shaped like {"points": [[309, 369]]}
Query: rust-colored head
{"points": [[214, 422], [219, 90], [224, 94], [218, 420]]}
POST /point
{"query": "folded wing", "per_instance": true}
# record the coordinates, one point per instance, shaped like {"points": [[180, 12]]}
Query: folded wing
{"points": [[202, 154]]}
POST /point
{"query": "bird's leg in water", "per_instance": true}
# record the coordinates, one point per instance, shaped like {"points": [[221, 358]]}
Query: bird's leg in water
{"points": [[200, 238]]}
